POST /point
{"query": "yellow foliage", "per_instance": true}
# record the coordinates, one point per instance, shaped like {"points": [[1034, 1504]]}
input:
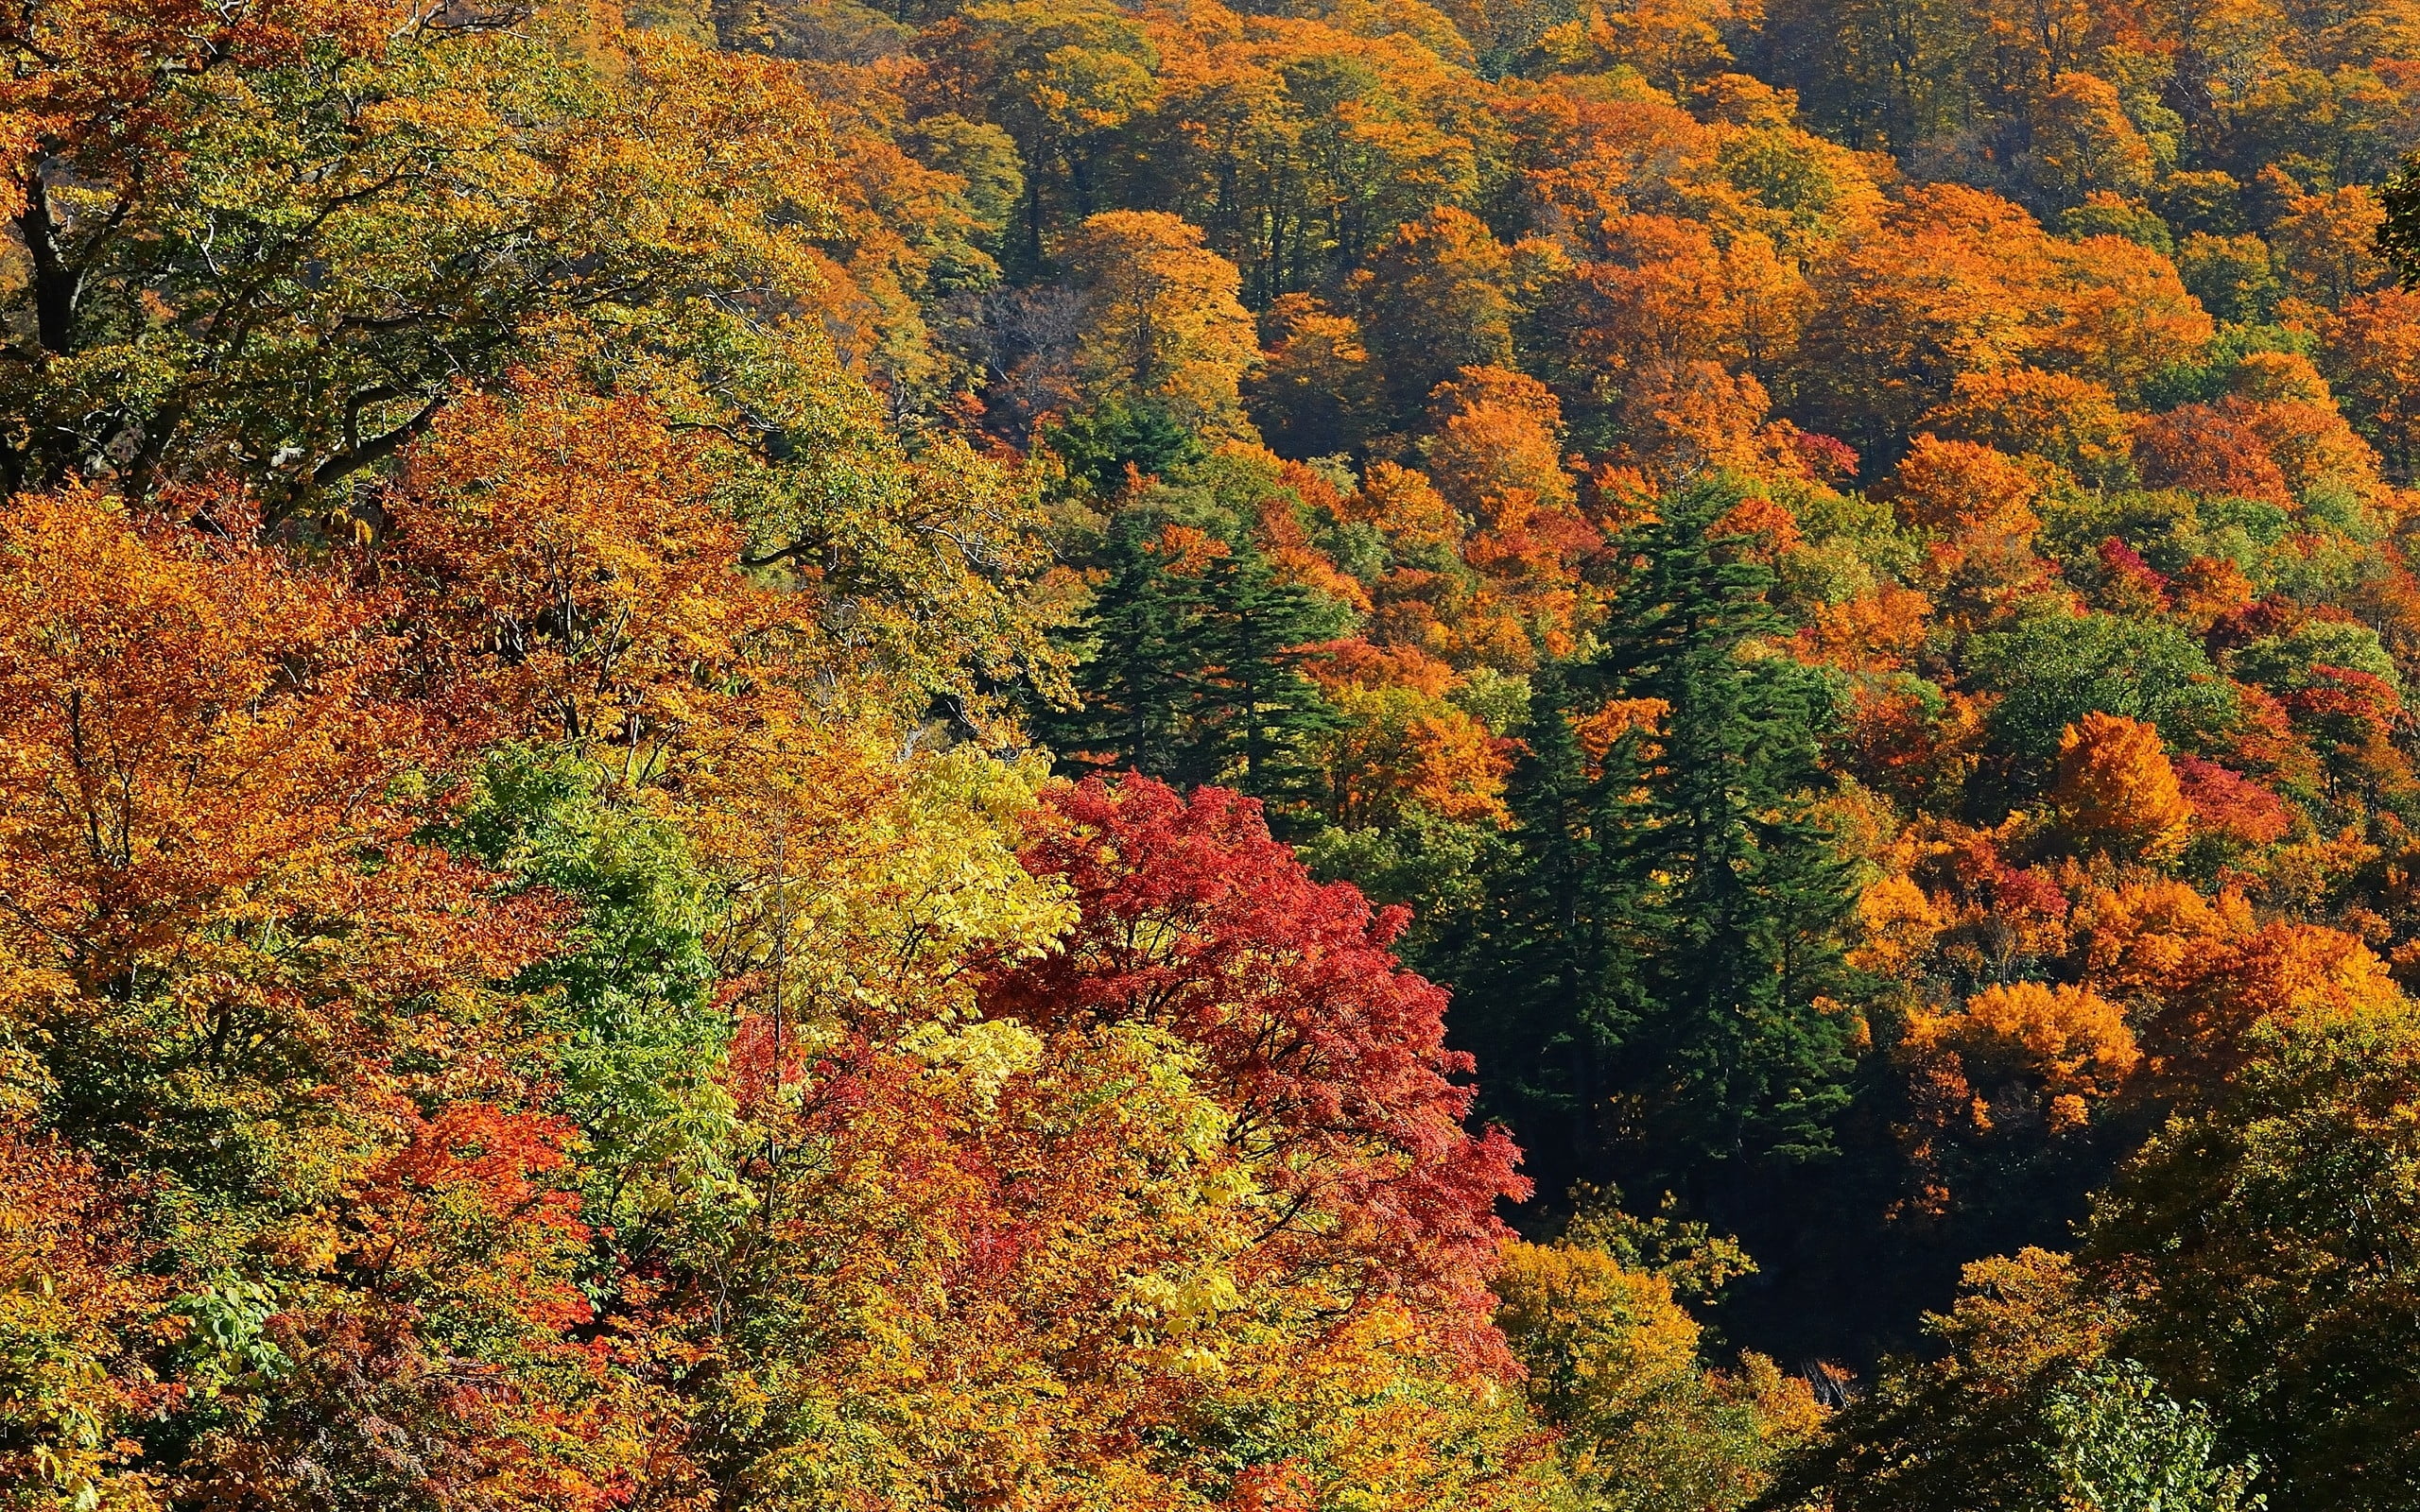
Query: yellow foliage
{"points": [[1899, 925], [1162, 323]]}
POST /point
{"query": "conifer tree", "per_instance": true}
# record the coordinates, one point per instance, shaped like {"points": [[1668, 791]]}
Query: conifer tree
{"points": [[1194, 668], [1537, 958], [1262, 707], [1676, 931], [1140, 685]]}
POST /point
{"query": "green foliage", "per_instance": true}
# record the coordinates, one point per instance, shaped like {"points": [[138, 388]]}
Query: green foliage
{"points": [[644, 1046], [1671, 938], [2108, 216], [2116, 1444], [1191, 666], [1695, 1261], [1436, 866], [2278, 1222], [2054, 667], [1099, 445]]}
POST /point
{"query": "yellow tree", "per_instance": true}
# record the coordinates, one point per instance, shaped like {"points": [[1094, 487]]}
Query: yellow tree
{"points": [[1162, 323], [237, 261]]}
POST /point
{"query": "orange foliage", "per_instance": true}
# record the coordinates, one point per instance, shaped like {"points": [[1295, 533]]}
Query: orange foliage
{"points": [[200, 734], [2210, 450], [1402, 742], [2327, 244], [2117, 314], [1980, 503], [1961, 488], [2372, 354], [570, 550], [2229, 805], [2147, 938], [1604, 727], [1494, 456], [1880, 632], [2067, 1043], [2285, 973], [2115, 784], [2026, 412], [1899, 924]]}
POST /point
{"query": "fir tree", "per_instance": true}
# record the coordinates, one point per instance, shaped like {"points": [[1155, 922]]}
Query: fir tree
{"points": [[1671, 938], [1194, 651], [1140, 684], [1260, 706]]}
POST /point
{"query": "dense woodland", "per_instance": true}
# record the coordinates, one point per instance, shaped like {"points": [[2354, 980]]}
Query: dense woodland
{"points": [[1348, 756]]}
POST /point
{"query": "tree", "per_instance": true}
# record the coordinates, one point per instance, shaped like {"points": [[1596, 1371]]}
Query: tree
{"points": [[2052, 668], [1964, 1429], [1316, 394], [212, 844], [1141, 689], [280, 238], [2373, 363], [1943, 284], [2084, 144], [1058, 78], [1612, 1364], [1401, 744], [1439, 297], [1196, 667], [2326, 246], [2026, 412], [2290, 1185], [2117, 1443], [2233, 277], [1330, 1060], [1493, 454], [1161, 324], [2115, 785], [1677, 924], [1671, 43]]}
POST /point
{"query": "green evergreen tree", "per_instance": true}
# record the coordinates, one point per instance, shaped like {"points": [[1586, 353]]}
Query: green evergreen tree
{"points": [[1544, 1007], [1192, 671], [1098, 445], [1260, 705], [1667, 943], [1139, 683]]}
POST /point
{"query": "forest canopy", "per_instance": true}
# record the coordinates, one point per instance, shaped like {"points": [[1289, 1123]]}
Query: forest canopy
{"points": [[1314, 756]]}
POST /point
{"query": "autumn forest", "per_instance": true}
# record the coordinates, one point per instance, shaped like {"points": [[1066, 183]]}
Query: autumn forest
{"points": [[1176, 756]]}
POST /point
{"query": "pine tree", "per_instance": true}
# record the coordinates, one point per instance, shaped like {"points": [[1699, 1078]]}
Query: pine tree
{"points": [[1712, 860]]}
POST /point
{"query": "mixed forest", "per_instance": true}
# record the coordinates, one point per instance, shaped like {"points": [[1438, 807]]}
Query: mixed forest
{"points": [[1290, 756]]}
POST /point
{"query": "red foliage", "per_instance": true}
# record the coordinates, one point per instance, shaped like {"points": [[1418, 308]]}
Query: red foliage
{"points": [[1980, 877], [2133, 579], [1826, 458], [2230, 805], [2348, 704], [1331, 1060], [2253, 622], [477, 1188]]}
